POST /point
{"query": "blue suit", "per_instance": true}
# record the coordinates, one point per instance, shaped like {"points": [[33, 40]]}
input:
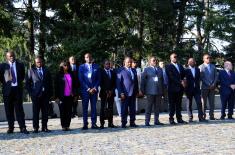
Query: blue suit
{"points": [[129, 87], [89, 83], [226, 93]]}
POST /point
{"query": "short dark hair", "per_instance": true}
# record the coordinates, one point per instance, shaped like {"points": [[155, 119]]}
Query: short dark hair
{"points": [[61, 66]]}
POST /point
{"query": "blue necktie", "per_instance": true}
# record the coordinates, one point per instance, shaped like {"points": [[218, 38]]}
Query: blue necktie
{"points": [[13, 75]]}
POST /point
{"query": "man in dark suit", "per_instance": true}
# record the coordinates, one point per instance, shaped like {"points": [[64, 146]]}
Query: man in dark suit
{"points": [[107, 94], [12, 75], [75, 70], [127, 85], [89, 77], [227, 87], [39, 86], [192, 74], [176, 83]]}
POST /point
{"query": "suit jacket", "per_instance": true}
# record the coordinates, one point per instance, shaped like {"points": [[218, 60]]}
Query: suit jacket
{"points": [[107, 84], [149, 85], [76, 82], [60, 85], [125, 83], [174, 78], [35, 85], [208, 78], [84, 80], [6, 78], [225, 82], [193, 83]]}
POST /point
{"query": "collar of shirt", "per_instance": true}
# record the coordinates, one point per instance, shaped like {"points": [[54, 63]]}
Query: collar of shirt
{"points": [[11, 63], [227, 70], [192, 67], [107, 70], [39, 69]]}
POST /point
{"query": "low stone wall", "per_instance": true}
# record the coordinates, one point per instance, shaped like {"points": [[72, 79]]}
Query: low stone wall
{"points": [[141, 107]]}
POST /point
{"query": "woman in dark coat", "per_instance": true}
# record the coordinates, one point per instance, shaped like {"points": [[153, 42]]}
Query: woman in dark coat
{"points": [[64, 94]]}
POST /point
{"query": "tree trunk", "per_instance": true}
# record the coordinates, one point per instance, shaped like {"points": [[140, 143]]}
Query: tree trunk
{"points": [[180, 23], [31, 26], [42, 33]]}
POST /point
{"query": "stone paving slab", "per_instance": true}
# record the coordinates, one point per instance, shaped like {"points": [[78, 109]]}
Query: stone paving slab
{"points": [[214, 137]]}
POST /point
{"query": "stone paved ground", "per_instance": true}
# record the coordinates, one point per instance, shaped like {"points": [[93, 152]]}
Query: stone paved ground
{"points": [[215, 137]]}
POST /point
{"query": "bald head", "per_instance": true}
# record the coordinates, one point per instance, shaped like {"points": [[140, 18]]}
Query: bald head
{"points": [[173, 58], [191, 62], [10, 55]]}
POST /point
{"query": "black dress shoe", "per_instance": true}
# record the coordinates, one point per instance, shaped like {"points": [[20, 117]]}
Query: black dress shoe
{"points": [[133, 125], [222, 118], [35, 131], [24, 131], [158, 123], [85, 127], [112, 126], [10, 130], [172, 122], [230, 117], [182, 122], [212, 118], [45, 130], [202, 120], [147, 124], [123, 126], [101, 127], [94, 126], [190, 120]]}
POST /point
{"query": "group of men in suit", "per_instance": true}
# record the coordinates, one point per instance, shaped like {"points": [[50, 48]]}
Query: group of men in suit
{"points": [[197, 82]]}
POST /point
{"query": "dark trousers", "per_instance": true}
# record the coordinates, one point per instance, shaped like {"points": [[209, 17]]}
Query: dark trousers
{"points": [[74, 107], [197, 98], [86, 98], [14, 104], [66, 111], [109, 104], [129, 102], [210, 95], [155, 102], [175, 102], [227, 100], [40, 104]]}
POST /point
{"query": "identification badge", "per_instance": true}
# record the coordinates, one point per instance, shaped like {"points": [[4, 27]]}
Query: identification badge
{"points": [[89, 75], [155, 79]]}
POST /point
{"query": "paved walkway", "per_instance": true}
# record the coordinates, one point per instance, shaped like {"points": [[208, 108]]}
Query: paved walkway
{"points": [[214, 137]]}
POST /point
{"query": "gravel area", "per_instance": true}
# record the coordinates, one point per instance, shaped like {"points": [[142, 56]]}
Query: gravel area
{"points": [[214, 137]]}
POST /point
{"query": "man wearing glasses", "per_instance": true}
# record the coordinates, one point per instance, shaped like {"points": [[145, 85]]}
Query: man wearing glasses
{"points": [[208, 85]]}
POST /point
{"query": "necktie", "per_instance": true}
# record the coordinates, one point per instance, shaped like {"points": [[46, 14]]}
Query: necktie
{"points": [[13, 75], [40, 74], [209, 68], [109, 74], [132, 76], [229, 74], [155, 70]]}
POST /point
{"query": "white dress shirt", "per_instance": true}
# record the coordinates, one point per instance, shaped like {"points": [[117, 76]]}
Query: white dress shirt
{"points": [[193, 71]]}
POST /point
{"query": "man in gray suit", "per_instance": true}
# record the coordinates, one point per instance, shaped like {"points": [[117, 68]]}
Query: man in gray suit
{"points": [[152, 87], [208, 84]]}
